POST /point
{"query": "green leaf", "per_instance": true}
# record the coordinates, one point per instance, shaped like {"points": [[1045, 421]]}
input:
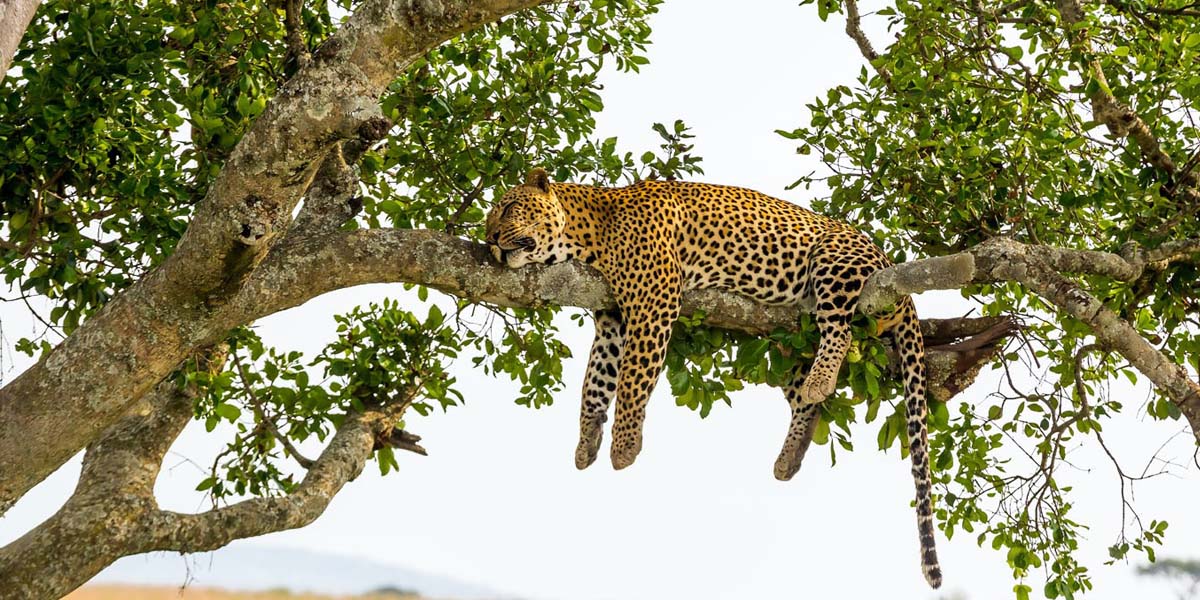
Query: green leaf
{"points": [[821, 433], [1022, 591], [228, 412]]}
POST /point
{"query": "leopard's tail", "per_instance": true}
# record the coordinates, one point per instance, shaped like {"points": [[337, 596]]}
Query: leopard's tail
{"points": [[911, 348]]}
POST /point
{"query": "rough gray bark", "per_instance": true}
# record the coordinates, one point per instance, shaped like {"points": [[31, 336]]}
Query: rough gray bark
{"points": [[15, 16], [86, 384]]}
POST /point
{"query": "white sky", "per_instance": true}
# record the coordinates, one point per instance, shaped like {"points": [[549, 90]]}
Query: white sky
{"points": [[699, 516]]}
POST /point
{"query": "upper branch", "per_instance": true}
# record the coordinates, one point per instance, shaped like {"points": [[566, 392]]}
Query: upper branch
{"points": [[854, 30], [1121, 5], [1120, 119], [334, 98]]}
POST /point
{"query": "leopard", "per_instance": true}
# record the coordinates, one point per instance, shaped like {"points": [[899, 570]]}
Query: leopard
{"points": [[653, 240]]}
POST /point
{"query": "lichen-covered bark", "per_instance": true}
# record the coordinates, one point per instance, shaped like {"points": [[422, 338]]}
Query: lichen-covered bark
{"points": [[113, 512], [15, 16], [1008, 260], [102, 519], [80, 389]]}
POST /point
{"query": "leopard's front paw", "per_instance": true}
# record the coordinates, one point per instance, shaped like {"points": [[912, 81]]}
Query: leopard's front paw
{"points": [[817, 388], [590, 436], [625, 449]]}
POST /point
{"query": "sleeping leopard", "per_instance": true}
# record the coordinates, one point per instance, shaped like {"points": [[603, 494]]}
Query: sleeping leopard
{"points": [[653, 240]]}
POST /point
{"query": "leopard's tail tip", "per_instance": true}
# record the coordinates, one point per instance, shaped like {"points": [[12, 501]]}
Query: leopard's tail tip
{"points": [[933, 574]]}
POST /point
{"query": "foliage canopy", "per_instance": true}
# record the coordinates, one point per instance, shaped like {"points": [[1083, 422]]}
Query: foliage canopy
{"points": [[980, 119]]}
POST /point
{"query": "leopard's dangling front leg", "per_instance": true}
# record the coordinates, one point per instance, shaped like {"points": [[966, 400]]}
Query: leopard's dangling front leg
{"points": [[642, 269], [647, 334], [800, 432], [599, 385]]}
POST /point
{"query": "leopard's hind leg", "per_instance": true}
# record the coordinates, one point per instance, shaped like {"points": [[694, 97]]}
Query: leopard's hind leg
{"points": [[835, 284], [800, 431]]}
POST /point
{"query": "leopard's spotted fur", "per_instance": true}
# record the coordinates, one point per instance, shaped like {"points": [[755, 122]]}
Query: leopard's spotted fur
{"points": [[652, 240]]}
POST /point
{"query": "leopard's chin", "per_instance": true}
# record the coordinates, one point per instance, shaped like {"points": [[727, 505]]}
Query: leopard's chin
{"points": [[513, 258]]}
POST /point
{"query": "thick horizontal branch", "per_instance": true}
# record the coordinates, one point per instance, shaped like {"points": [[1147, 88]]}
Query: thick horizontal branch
{"points": [[314, 266]]}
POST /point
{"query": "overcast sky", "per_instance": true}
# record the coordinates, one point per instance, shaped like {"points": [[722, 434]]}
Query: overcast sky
{"points": [[699, 516]]}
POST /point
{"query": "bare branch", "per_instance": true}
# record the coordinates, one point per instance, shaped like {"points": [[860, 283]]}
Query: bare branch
{"points": [[267, 421], [854, 30]]}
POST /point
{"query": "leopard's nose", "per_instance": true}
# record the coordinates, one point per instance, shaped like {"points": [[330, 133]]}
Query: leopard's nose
{"points": [[492, 238]]}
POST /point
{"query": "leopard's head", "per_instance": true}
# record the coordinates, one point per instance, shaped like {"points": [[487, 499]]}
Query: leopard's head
{"points": [[526, 226]]}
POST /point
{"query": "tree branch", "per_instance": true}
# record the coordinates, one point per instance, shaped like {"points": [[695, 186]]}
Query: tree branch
{"points": [[99, 522], [332, 198], [1040, 269], [1187, 11], [854, 30], [340, 463], [113, 512], [15, 16], [1120, 119], [297, 50], [305, 268]]}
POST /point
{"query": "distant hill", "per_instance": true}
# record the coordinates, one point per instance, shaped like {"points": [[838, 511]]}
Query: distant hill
{"points": [[248, 567], [163, 592]]}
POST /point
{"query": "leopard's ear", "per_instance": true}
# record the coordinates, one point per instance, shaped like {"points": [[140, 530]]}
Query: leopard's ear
{"points": [[538, 178]]}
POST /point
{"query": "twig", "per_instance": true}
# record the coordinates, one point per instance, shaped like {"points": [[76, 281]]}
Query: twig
{"points": [[297, 50], [265, 422]]}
